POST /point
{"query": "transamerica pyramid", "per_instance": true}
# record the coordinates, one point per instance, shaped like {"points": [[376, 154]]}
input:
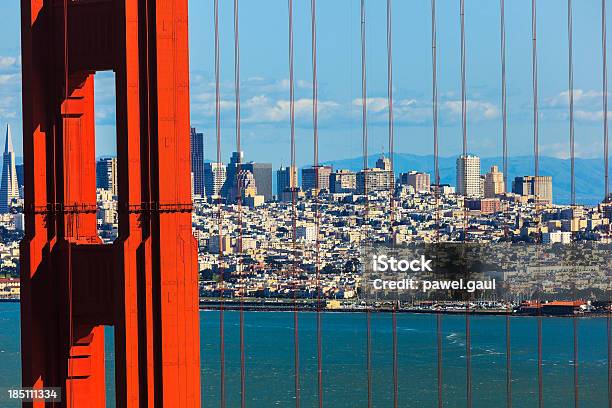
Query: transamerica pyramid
{"points": [[9, 188]]}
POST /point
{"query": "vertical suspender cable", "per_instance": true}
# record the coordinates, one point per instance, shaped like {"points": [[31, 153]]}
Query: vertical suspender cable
{"points": [[238, 187], [534, 65], [571, 99], [505, 164], [364, 108], [468, 345], [534, 73], [503, 91], [364, 141], [463, 89], [434, 93], [434, 97], [390, 103], [296, 339], [605, 95], [315, 115], [572, 176], [219, 215], [508, 363], [391, 188]]}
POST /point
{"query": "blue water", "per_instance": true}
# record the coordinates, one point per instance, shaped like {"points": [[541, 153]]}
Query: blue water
{"points": [[269, 362]]}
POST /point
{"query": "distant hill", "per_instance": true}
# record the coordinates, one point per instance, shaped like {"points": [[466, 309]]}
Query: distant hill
{"points": [[589, 172]]}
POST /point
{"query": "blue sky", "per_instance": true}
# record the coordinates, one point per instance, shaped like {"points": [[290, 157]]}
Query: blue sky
{"points": [[263, 34]]}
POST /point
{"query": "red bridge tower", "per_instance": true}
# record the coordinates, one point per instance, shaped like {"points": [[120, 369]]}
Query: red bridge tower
{"points": [[145, 283]]}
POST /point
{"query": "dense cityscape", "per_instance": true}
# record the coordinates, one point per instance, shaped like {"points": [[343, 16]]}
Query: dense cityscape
{"points": [[245, 230]]}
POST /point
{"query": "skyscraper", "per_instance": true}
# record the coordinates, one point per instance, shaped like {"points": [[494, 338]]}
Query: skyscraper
{"points": [[263, 177], [311, 174], [19, 168], [286, 178], [197, 161], [540, 187], [383, 163], [214, 179], [9, 188], [229, 187], [494, 183], [342, 181], [468, 176], [374, 179], [106, 174], [419, 181]]}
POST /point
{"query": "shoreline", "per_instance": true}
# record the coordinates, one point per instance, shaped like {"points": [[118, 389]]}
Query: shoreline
{"points": [[251, 306]]}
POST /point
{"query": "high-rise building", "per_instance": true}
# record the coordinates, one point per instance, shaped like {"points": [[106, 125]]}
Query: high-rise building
{"points": [[106, 174], [197, 162], [229, 188], [262, 172], [342, 181], [375, 179], [419, 181], [540, 187], [9, 189], [245, 184], [214, 179], [383, 163], [494, 183], [379, 178], [286, 179], [468, 176], [310, 175], [19, 169]]}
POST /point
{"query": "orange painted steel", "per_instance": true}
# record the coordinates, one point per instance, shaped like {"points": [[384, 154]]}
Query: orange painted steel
{"points": [[145, 283]]}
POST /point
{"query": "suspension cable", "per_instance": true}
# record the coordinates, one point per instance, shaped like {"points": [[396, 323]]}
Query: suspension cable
{"points": [[296, 343], [605, 95], [571, 99], [390, 103], [392, 188], [239, 203], [573, 181], [468, 345], [434, 98], [315, 124], [534, 72], [364, 141], [219, 210], [505, 164], [463, 88], [534, 65], [364, 109], [503, 90]]}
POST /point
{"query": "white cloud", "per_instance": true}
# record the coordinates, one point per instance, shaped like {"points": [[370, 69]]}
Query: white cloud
{"points": [[262, 109], [581, 97], [9, 62], [476, 110], [7, 79], [374, 105]]}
